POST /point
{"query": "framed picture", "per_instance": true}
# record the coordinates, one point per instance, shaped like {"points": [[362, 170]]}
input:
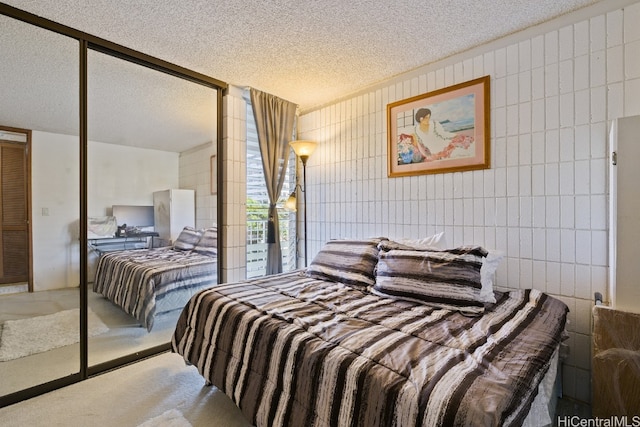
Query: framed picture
{"points": [[214, 175], [446, 130]]}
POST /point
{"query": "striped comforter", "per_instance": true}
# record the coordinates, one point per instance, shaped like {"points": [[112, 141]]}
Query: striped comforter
{"points": [[290, 350], [137, 280]]}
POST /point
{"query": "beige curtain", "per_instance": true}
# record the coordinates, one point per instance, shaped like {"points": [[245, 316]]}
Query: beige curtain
{"points": [[275, 118]]}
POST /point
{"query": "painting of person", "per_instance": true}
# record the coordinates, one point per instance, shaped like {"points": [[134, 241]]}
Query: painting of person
{"points": [[428, 140]]}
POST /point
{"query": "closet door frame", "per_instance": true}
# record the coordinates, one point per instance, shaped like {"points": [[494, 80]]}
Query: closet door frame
{"points": [[86, 42]]}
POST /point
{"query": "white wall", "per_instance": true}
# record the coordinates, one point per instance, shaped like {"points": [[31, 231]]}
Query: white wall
{"points": [[120, 175], [55, 173], [195, 174], [554, 90], [117, 175]]}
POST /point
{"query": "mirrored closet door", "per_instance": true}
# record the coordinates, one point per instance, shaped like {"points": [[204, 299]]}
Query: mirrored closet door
{"points": [[40, 206], [90, 132], [151, 140]]}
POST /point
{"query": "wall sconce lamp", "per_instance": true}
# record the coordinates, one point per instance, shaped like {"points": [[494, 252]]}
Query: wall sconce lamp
{"points": [[291, 203], [303, 149]]}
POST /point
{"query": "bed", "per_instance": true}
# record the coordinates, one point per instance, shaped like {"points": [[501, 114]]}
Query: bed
{"points": [[149, 282], [351, 341]]}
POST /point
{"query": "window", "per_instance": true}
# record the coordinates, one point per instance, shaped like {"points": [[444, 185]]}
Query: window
{"points": [[258, 208]]}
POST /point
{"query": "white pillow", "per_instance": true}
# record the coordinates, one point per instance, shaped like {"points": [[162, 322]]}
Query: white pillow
{"points": [[488, 273], [435, 241]]}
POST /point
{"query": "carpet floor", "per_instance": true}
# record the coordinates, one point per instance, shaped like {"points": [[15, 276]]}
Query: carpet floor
{"points": [[139, 393], [23, 337], [153, 392], [125, 336]]}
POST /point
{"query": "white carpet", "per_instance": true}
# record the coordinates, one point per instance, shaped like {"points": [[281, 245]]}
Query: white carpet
{"points": [[128, 397], [19, 338], [170, 418]]}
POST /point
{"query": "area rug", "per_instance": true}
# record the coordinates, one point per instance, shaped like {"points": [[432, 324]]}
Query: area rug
{"points": [[20, 338], [171, 418]]}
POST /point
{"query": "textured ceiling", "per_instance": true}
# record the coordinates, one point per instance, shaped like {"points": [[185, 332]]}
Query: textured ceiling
{"points": [[310, 52]]}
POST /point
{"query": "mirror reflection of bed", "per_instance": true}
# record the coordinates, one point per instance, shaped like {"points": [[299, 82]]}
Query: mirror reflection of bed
{"points": [[151, 286], [131, 154], [142, 158]]}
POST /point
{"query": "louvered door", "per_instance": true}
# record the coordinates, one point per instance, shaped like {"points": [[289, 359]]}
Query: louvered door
{"points": [[14, 219]]}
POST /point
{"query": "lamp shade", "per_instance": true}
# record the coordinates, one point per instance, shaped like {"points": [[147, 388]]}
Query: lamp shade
{"points": [[303, 147], [291, 203]]}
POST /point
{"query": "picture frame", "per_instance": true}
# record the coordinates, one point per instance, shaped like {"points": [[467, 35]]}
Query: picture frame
{"points": [[214, 175], [446, 130]]}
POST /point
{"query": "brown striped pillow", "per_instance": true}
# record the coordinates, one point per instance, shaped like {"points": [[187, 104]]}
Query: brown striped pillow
{"points": [[351, 262], [208, 243], [187, 239], [449, 279]]}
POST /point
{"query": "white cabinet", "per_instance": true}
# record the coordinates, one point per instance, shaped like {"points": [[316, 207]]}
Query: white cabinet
{"points": [[624, 227], [173, 210]]}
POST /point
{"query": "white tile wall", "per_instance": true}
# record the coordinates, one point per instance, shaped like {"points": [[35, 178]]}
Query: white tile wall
{"points": [[544, 200], [234, 182]]}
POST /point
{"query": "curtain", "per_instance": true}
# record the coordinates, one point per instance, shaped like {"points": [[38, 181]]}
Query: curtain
{"points": [[275, 118]]}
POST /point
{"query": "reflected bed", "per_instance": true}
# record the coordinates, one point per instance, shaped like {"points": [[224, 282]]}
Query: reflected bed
{"points": [[148, 282]]}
